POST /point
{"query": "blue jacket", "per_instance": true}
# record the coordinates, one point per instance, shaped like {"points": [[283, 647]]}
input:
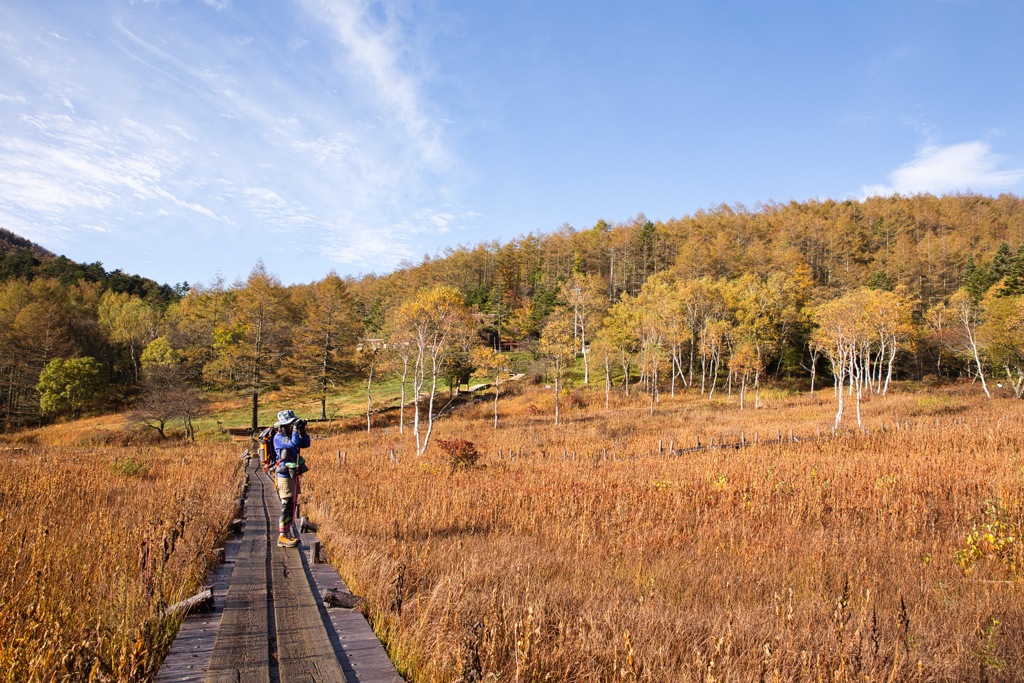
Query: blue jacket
{"points": [[287, 450]]}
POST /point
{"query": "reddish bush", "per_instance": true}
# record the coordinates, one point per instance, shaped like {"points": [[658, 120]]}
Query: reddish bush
{"points": [[462, 454]]}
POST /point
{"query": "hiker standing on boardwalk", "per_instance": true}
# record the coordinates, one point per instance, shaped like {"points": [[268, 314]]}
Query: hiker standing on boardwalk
{"points": [[291, 438]]}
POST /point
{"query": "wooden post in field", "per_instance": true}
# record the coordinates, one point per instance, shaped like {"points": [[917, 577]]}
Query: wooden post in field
{"points": [[698, 441], [743, 439], [671, 446], [339, 457], [755, 438], [344, 457], [659, 447]]}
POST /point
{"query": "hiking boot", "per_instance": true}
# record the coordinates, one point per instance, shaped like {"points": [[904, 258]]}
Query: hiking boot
{"points": [[284, 542]]}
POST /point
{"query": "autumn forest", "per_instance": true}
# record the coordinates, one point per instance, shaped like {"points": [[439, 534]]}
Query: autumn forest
{"points": [[724, 300]]}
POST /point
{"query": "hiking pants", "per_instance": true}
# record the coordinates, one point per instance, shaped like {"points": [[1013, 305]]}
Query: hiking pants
{"points": [[288, 490]]}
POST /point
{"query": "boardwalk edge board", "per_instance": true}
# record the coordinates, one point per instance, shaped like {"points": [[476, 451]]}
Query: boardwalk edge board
{"points": [[276, 614]]}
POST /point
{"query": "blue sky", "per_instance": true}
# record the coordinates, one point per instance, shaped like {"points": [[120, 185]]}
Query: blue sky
{"points": [[182, 140]]}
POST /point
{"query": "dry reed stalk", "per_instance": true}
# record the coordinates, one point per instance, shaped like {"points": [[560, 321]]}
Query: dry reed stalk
{"points": [[95, 544], [831, 558]]}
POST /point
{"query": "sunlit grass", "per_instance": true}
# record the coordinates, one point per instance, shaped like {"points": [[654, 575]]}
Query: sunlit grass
{"points": [[96, 543], [588, 552]]}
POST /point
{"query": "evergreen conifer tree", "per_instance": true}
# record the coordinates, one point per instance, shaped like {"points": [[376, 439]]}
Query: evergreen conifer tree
{"points": [[977, 278], [1013, 284], [1001, 262]]}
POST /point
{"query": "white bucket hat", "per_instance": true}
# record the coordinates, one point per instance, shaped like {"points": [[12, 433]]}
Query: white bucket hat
{"points": [[285, 417]]}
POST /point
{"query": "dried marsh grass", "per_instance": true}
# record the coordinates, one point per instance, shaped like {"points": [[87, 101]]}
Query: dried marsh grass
{"points": [[96, 544], [584, 553]]}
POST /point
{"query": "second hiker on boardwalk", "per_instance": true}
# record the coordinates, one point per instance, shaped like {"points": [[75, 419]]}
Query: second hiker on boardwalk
{"points": [[290, 439]]}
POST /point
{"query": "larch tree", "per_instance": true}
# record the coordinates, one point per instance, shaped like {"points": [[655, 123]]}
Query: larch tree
{"points": [[324, 342], [194, 321], [36, 326], [262, 322]]}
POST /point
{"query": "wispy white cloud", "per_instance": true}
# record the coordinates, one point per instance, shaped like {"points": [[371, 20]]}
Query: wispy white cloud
{"points": [[382, 248], [376, 44], [958, 167], [73, 165], [157, 118]]}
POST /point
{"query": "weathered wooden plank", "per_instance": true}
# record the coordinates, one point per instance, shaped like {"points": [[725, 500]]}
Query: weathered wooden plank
{"points": [[200, 602], [362, 655], [312, 642], [241, 652], [304, 650]]}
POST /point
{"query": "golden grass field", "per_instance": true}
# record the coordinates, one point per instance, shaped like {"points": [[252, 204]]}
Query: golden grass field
{"points": [[582, 553], [889, 555], [97, 542]]}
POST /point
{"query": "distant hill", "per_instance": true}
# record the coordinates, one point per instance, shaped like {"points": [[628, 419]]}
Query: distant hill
{"points": [[22, 258]]}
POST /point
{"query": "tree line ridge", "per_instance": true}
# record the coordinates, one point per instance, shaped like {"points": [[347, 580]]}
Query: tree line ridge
{"points": [[726, 296]]}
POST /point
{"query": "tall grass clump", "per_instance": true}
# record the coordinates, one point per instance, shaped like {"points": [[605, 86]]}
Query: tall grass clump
{"points": [[96, 544], [593, 552]]}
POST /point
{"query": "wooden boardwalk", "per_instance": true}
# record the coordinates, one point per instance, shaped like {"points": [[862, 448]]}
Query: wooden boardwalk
{"points": [[269, 622]]}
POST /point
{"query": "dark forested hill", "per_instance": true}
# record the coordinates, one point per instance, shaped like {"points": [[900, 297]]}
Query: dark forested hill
{"points": [[21, 258]]}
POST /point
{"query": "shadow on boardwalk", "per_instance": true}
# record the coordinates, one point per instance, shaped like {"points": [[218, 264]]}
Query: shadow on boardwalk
{"points": [[269, 621]]}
